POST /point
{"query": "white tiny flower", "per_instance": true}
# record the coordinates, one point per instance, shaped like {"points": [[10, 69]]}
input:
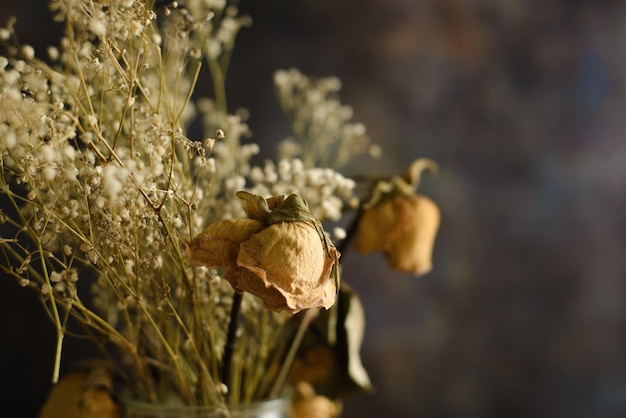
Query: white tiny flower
{"points": [[214, 48], [28, 52], [70, 173], [129, 264], [281, 78], [56, 277], [5, 34], [339, 233], [98, 28], [91, 120], [256, 175], [10, 139], [211, 165], [195, 53], [136, 28], [156, 120], [69, 152], [19, 66], [160, 150], [53, 53], [375, 151], [72, 275], [49, 173]]}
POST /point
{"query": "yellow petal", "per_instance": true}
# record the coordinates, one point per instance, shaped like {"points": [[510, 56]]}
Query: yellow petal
{"points": [[218, 245]]}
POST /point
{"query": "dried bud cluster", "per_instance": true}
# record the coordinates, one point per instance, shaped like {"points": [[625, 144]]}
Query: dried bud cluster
{"points": [[280, 254], [401, 223]]}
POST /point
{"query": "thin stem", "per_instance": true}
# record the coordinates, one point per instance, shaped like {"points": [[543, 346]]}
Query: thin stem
{"points": [[231, 338], [57, 355], [309, 315]]}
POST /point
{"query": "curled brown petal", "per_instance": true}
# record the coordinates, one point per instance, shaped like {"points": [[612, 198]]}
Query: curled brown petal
{"points": [[218, 245], [288, 267]]}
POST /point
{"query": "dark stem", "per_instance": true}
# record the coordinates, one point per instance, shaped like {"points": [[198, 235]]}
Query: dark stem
{"points": [[231, 339]]}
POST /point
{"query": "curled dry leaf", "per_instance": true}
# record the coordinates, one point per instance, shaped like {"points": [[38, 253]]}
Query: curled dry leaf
{"points": [[329, 357]]}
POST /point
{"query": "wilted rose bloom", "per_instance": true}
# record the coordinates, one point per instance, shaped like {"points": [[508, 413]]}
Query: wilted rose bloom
{"points": [[289, 265], [403, 227]]}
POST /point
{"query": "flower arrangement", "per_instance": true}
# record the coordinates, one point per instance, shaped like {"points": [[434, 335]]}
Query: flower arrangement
{"points": [[203, 278]]}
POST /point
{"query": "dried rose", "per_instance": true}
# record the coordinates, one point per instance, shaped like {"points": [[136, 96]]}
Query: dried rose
{"points": [[306, 404], [87, 391], [400, 223], [281, 255], [404, 228]]}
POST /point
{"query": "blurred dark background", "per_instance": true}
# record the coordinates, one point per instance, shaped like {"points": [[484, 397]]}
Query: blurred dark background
{"points": [[521, 103]]}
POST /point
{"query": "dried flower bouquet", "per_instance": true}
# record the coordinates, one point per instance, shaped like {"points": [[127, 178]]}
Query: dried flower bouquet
{"points": [[144, 240]]}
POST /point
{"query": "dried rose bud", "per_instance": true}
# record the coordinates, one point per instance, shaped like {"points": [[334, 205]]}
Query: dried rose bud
{"points": [[306, 404], [401, 224], [281, 256]]}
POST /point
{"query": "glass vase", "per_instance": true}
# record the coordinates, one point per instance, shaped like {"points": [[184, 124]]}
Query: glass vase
{"points": [[275, 408]]}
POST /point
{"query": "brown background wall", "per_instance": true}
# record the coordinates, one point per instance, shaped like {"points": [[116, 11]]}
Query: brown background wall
{"points": [[521, 103]]}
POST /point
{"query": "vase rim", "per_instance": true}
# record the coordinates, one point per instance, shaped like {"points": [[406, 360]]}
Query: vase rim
{"points": [[173, 406]]}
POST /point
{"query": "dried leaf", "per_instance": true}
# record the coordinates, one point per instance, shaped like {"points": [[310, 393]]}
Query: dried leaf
{"points": [[335, 367]]}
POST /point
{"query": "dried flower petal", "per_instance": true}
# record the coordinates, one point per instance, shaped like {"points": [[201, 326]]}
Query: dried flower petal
{"points": [[288, 267], [218, 245]]}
